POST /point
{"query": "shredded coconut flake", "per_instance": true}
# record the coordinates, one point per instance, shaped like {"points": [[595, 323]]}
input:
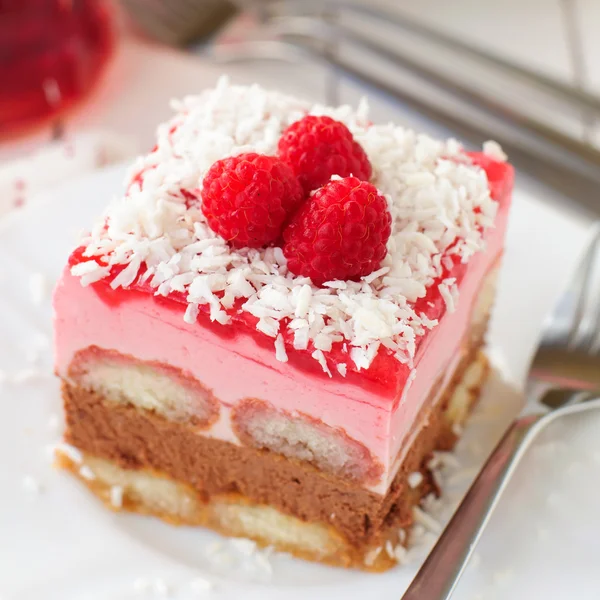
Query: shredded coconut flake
{"points": [[494, 150], [280, 352], [70, 452], [409, 381], [439, 202], [303, 299], [371, 556], [426, 520], [87, 473], [89, 272], [449, 293], [415, 479], [320, 358], [401, 554], [116, 496], [191, 313]]}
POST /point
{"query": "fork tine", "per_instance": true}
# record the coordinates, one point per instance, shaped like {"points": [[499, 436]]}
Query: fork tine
{"points": [[592, 341], [582, 331]]}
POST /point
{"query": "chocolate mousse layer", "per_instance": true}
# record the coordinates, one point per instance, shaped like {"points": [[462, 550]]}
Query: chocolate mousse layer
{"points": [[135, 438]]}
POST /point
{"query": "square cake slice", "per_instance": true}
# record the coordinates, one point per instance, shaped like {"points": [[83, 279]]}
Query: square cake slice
{"points": [[278, 322]]}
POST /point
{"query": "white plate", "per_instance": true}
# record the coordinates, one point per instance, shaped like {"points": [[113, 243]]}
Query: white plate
{"points": [[60, 543]]}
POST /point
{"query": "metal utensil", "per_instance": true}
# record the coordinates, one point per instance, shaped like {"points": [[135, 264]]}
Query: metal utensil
{"points": [[178, 22], [311, 28], [568, 95], [564, 371], [565, 163]]}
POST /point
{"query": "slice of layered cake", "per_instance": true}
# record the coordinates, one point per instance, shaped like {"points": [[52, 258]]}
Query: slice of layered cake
{"points": [[278, 322]]}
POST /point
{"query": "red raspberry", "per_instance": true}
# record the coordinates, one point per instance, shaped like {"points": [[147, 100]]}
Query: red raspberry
{"points": [[340, 232], [246, 199], [319, 147]]}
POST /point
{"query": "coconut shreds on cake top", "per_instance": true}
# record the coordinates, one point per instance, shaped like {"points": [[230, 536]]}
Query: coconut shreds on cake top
{"points": [[439, 202]]}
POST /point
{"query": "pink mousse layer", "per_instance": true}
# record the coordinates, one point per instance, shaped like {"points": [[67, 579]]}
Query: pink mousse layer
{"points": [[236, 367]]}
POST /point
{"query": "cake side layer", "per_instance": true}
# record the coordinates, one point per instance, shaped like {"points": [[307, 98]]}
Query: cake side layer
{"points": [[137, 438], [274, 501], [142, 329]]}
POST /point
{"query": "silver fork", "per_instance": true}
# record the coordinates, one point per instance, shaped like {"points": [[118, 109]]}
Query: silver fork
{"points": [[563, 376]]}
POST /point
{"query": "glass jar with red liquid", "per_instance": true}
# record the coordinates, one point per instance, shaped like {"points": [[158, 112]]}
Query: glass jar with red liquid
{"points": [[52, 52]]}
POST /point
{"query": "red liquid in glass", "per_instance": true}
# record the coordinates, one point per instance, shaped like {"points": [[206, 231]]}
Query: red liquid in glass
{"points": [[51, 54]]}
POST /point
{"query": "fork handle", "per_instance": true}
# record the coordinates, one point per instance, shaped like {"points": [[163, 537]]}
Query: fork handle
{"points": [[442, 569]]}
